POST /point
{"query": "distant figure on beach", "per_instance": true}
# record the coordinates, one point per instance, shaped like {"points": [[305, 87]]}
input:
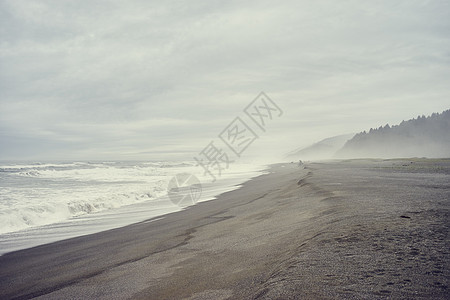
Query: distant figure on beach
{"points": [[300, 163]]}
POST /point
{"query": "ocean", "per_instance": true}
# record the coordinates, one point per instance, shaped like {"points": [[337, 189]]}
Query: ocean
{"points": [[46, 202]]}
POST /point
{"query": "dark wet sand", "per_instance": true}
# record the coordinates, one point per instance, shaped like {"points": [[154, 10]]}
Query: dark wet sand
{"points": [[349, 230]]}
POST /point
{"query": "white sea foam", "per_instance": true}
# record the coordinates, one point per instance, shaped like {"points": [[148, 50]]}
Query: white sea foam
{"points": [[35, 195], [41, 199]]}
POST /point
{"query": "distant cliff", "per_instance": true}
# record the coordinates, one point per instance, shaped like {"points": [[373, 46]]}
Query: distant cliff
{"points": [[323, 149], [421, 137]]}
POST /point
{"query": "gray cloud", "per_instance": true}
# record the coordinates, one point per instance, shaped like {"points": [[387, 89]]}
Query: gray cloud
{"points": [[124, 79]]}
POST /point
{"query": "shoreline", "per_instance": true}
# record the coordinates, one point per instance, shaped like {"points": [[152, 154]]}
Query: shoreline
{"points": [[108, 219], [332, 230]]}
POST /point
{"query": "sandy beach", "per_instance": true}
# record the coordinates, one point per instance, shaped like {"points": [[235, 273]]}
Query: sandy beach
{"points": [[333, 230]]}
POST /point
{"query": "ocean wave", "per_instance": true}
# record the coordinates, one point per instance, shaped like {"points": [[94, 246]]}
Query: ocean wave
{"points": [[41, 166], [35, 195], [27, 215]]}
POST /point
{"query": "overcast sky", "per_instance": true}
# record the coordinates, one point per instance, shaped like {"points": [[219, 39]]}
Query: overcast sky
{"points": [[161, 79]]}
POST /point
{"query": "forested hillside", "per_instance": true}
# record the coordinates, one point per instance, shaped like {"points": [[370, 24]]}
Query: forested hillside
{"points": [[422, 137]]}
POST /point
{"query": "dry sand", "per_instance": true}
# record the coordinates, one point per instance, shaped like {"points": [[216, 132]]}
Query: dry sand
{"points": [[352, 229]]}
